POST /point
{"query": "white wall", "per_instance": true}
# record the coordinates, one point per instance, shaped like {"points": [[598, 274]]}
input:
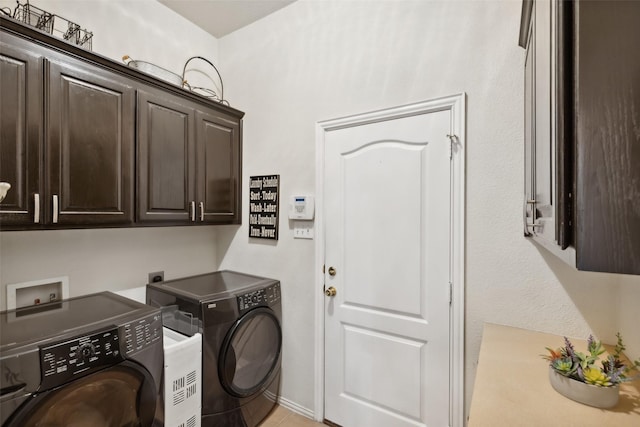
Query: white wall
{"points": [[629, 302], [114, 259], [105, 259], [314, 61], [145, 30]]}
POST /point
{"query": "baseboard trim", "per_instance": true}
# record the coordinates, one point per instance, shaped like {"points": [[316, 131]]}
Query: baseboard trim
{"points": [[294, 407]]}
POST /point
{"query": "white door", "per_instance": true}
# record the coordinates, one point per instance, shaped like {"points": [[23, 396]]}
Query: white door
{"points": [[387, 195]]}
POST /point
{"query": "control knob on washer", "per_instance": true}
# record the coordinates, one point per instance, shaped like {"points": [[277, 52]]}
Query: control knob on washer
{"points": [[86, 351]]}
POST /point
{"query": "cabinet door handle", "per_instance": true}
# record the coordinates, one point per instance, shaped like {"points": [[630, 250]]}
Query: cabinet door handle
{"points": [[36, 208], [193, 211], [55, 208], [201, 211]]}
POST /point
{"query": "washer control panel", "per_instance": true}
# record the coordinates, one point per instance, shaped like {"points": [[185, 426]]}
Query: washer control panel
{"points": [[141, 333], [260, 298], [85, 354], [65, 360]]}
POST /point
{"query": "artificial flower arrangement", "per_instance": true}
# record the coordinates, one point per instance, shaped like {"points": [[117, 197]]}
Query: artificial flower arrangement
{"points": [[582, 367]]}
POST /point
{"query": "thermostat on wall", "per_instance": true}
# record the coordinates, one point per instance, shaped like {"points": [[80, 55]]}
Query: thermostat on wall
{"points": [[301, 207]]}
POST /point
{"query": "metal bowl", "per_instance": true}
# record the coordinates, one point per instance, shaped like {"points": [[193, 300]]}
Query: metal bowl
{"points": [[154, 70]]}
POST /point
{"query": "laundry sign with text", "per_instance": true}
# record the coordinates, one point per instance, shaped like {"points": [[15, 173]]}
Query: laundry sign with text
{"points": [[263, 206]]}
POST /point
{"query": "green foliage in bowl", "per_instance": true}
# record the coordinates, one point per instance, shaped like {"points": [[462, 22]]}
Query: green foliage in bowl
{"points": [[582, 366]]}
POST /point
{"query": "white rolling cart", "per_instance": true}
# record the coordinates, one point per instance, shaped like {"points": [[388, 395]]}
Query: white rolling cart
{"points": [[182, 379]]}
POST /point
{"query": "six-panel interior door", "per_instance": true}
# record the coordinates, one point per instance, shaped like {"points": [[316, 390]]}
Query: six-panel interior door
{"points": [[387, 254]]}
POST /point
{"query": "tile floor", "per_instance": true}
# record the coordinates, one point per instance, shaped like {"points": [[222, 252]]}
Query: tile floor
{"points": [[281, 417]]}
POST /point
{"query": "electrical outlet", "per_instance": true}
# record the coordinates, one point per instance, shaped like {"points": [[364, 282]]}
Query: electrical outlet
{"points": [[156, 277], [303, 230]]}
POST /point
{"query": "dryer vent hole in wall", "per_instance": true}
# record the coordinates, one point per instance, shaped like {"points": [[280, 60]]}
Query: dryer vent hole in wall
{"points": [[156, 277]]}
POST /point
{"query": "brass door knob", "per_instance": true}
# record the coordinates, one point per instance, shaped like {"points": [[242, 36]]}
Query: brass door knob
{"points": [[330, 291], [332, 271]]}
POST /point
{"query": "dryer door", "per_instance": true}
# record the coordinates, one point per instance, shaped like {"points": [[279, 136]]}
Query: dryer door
{"points": [[250, 353], [122, 395]]}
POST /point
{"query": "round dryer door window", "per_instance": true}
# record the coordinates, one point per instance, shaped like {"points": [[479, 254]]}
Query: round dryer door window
{"points": [[120, 396], [250, 353]]}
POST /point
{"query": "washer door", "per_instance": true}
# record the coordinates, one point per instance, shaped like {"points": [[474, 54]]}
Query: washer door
{"points": [[250, 353], [120, 396]]}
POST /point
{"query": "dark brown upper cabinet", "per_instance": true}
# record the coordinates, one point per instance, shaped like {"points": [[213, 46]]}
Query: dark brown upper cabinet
{"points": [[78, 170], [188, 162], [21, 130], [89, 142], [582, 144], [166, 159], [218, 167], [89, 149]]}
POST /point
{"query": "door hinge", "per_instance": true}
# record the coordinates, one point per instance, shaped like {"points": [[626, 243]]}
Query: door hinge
{"points": [[450, 292], [452, 140]]}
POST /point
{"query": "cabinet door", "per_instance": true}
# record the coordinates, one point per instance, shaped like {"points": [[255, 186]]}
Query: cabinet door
{"points": [[218, 168], [563, 126], [544, 132], [166, 155], [548, 172], [529, 131], [90, 146], [607, 126], [21, 131]]}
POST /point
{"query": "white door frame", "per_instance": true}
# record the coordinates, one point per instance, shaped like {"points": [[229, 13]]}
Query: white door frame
{"points": [[456, 104]]}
